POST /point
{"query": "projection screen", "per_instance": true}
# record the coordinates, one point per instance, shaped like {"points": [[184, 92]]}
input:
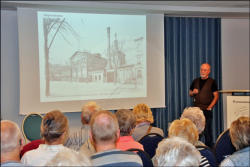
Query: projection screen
{"points": [[69, 58]]}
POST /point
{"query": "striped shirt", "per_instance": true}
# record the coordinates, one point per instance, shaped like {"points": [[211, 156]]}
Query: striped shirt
{"points": [[116, 158], [204, 162], [78, 138]]}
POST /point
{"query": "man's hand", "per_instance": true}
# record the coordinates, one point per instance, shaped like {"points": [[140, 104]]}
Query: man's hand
{"points": [[209, 108], [195, 91]]}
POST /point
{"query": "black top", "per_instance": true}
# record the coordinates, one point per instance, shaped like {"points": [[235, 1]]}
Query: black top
{"points": [[202, 83]]}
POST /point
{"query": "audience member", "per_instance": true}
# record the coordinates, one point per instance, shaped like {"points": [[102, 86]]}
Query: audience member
{"points": [[186, 129], [126, 120], [11, 144], [79, 140], [69, 159], [195, 114], [144, 119], [34, 144], [240, 136], [105, 133], [54, 130], [176, 151]]}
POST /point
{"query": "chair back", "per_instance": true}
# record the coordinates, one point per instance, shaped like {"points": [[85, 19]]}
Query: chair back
{"points": [[150, 143], [31, 126], [223, 146], [208, 153], [146, 160]]}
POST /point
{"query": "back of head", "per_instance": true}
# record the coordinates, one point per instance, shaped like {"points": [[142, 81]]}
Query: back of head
{"points": [[195, 114], [184, 128], [104, 127], [69, 158], [11, 136], [143, 113], [126, 120], [53, 125], [240, 132], [87, 111], [176, 151]]}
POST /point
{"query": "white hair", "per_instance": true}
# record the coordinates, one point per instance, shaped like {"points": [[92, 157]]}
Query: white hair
{"points": [[11, 136], [176, 151], [195, 114], [69, 158]]}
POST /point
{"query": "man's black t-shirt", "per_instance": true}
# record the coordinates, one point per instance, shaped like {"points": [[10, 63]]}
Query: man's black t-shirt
{"points": [[202, 82]]}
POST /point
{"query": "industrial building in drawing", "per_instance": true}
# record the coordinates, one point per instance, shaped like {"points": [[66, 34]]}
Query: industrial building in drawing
{"points": [[92, 67]]}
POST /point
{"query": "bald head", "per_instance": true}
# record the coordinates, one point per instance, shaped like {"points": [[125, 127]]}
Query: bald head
{"points": [[11, 136], [104, 127], [205, 70]]}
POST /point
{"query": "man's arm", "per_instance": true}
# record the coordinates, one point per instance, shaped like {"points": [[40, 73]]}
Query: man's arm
{"points": [[214, 101], [193, 91]]}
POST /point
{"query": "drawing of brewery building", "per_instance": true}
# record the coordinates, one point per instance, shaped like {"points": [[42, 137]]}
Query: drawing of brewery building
{"points": [[92, 67]]}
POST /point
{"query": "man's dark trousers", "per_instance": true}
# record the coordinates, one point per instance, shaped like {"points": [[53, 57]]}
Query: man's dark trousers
{"points": [[208, 133]]}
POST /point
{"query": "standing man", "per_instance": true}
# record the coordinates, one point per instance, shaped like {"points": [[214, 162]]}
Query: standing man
{"points": [[205, 95]]}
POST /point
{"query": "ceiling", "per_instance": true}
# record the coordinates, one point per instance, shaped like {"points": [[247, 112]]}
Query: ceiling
{"points": [[224, 9]]}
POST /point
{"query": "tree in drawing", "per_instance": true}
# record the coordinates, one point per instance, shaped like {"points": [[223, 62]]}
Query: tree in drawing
{"points": [[52, 27]]}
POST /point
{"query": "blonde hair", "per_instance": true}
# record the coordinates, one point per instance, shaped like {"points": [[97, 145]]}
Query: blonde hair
{"points": [[53, 125], [11, 136], [104, 127], [184, 128], [87, 111], [176, 151], [240, 132], [195, 114], [143, 113]]}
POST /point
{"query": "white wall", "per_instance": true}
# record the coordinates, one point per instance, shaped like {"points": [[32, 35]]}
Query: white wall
{"points": [[235, 63], [235, 56]]}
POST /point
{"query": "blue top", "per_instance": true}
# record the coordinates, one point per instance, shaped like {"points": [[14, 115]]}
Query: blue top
{"points": [[238, 158], [12, 163]]}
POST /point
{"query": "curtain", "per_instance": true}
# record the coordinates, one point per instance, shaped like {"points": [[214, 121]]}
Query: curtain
{"points": [[189, 42]]}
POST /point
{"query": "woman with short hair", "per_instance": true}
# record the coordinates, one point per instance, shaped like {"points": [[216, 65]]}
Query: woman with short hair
{"points": [[54, 131], [240, 136], [144, 119]]}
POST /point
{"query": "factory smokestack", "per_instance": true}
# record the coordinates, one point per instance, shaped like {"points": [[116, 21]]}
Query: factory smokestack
{"points": [[108, 52]]}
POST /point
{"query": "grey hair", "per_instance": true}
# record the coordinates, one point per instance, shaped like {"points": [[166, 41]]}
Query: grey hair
{"points": [[69, 158], [195, 114], [11, 136], [176, 151]]}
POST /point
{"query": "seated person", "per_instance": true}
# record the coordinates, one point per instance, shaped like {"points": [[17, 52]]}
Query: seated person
{"points": [[69, 159], [104, 134], [144, 118], [126, 120], [79, 138], [11, 144], [54, 130], [240, 136], [176, 151], [186, 129], [31, 146], [195, 114]]}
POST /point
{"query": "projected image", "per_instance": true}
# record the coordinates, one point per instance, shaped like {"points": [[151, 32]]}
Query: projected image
{"points": [[91, 56]]}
